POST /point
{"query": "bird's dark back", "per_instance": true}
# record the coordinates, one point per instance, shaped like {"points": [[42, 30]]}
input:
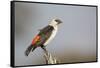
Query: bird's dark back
{"points": [[45, 34]]}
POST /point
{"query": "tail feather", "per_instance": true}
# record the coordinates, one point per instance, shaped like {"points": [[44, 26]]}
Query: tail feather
{"points": [[29, 49]]}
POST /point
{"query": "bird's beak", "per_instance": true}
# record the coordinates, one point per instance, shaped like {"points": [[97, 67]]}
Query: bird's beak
{"points": [[59, 22]]}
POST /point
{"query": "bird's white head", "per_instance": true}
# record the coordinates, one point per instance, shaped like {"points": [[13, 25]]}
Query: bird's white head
{"points": [[55, 22]]}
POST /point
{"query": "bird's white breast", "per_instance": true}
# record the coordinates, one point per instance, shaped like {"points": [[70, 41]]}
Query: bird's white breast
{"points": [[52, 35]]}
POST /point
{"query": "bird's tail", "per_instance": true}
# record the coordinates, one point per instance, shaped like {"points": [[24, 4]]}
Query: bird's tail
{"points": [[29, 49]]}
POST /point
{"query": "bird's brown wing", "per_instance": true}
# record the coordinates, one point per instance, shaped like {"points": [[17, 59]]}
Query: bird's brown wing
{"points": [[40, 39], [45, 33]]}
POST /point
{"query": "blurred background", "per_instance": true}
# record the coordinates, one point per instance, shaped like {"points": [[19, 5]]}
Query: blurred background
{"points": [[74, 42]]}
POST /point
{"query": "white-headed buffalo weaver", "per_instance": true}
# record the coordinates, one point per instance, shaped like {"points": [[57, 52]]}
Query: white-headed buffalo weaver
{"points": [[44, 36]]}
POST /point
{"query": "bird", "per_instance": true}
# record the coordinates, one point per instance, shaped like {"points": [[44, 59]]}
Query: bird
{"points": [[44, 37]]}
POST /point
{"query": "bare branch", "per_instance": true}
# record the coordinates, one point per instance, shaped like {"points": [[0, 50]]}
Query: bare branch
{"points": [[49, 58]]}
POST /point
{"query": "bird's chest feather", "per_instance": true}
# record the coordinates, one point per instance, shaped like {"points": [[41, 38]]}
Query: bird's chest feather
{"points": [[52, 35]]}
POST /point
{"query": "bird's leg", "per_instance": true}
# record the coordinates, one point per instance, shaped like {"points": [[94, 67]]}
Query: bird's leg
{"points": [[44, 49], [46, 54]]}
